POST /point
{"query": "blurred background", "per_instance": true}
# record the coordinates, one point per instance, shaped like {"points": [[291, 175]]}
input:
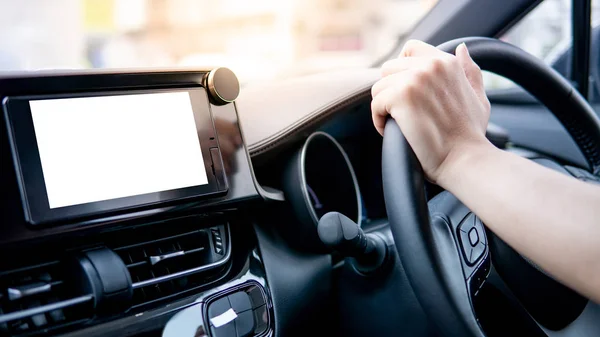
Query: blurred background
{"points": [[258, 39]]}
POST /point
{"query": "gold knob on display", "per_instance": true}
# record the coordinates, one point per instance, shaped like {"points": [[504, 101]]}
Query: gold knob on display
{"points": [[223, 86]]}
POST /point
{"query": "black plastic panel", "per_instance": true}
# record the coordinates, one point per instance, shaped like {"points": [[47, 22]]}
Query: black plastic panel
{"points": [[381, 305], [534, 127], [235, 157], [300, 286], [35, 197]]}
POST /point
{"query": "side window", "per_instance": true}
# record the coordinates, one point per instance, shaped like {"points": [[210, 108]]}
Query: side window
{"points": [[595, 57], [545, 32]]}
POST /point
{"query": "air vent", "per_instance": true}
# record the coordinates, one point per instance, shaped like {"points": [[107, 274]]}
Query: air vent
{"points": [[165, 267], [40, 299]]}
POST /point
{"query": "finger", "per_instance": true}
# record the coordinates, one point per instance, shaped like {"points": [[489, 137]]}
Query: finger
{"points": [[401, 64], [384, 83], [472, 71], [380, 107], [396, 79], [420, 48]]}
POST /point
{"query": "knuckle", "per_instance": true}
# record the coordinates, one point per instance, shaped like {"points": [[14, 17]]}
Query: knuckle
{"points": [[451, 62], [378, 87], [411, 89], [385, 68], [373, 104], [389, 65], [378, 105], [411, 43], [420, 78], [374, 90], [409, 46], [437, 66]]}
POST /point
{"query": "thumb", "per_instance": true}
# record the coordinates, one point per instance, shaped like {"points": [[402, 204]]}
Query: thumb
{"points": [[472, 71]]}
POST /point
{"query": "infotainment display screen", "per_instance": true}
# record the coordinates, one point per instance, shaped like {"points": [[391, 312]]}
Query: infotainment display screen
{"points": [[101, 148], [88, 154]]}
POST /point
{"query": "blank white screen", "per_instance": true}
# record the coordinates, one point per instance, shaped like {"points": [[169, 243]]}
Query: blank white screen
{"points": [[101, 148]]}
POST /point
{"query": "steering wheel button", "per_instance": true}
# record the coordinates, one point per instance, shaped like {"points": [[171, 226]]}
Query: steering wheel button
{"points": [[477, 252], [467, 223], [480, 230], [473, 236], [240, 301], [261, 318], [218, 307], [227, 330], [464, 243], [245, 324], [256, 297], [467, 251]]}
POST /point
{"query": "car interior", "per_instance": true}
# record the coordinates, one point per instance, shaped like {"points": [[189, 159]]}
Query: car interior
{"points": [[179, 202]]}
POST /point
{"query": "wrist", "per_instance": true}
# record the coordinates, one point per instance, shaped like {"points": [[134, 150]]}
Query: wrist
{"points": [[461, 160]]}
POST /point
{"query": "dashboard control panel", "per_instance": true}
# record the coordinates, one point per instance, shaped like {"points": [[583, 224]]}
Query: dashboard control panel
{"points": [[121, 190], [132, 271], [79, 155], [241, 313]]}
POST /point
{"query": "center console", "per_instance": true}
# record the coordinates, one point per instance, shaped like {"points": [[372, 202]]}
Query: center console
{"points": [[124, 204]]}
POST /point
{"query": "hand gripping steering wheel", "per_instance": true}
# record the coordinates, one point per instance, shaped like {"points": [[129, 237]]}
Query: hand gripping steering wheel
{"points": [[442, 245]]}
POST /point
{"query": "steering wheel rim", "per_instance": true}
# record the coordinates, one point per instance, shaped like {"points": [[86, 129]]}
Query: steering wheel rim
{"points": [[427, 237], [545, 84]]}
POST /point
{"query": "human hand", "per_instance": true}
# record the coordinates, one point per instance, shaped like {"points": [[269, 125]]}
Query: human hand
{"points": [[439, 102]]}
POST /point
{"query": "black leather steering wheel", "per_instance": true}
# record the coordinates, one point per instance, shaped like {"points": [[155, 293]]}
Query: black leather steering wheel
{"points": [[434, 240]]}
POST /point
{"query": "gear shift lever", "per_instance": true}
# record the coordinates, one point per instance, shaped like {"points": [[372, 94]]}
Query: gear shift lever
{"points": [[343, 235]]}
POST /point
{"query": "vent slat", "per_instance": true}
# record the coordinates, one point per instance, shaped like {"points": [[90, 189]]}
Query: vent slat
{"points": [[158, 240], [44, 309], [38, 300], [4, 274], [136, 264], [164, 267]]}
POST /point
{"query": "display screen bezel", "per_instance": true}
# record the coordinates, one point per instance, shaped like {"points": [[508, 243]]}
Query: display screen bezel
{"points": [[30, 174]]}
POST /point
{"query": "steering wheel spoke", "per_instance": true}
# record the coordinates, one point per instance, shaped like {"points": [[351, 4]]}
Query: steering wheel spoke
{"points": [[475, 253], [469, 236], [468, 241]]}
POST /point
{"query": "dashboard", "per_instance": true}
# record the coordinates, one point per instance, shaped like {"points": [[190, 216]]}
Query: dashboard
{"points": [[132, 207], [143, 204], [123, 194], [159, 203]]}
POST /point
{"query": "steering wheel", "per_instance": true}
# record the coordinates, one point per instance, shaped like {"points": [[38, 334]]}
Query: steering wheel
{"points": [[442, 245]]}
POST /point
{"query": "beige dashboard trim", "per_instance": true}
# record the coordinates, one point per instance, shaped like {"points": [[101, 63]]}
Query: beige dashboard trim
{"points": [[312, 119], [280, 113]]}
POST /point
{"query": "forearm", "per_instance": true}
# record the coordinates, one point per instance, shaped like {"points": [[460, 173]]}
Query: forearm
{"points": [[552, 219]]}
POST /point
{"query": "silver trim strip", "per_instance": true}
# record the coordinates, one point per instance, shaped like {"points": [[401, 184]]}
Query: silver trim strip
{"points": [[44, 308], [303, 176], [182, 273], [156, 259], [15, 293]]}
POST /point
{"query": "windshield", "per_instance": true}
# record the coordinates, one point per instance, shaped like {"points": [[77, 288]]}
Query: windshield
{"points": [[258, 39]]}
